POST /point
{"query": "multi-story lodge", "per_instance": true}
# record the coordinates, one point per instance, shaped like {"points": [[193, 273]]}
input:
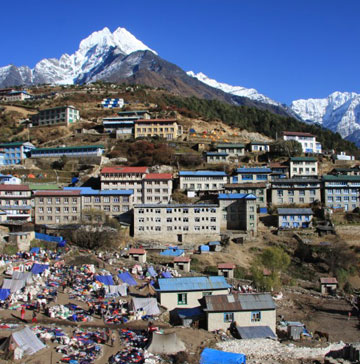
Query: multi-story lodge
{"points": [[238, 212], [299, 191], [124, 178], [177, 222], [279, 170], [258, 147], [303, 166], [249, 175], [71, 151], [15, 201], [258, 189], [294, 218], [15, 152], [15, 95], [341, 191], [164, 128], [62, 115], [73, 205], [202, 181], [57, 207], [157, 188], [308, 141], [216, 157], [233, 150]]}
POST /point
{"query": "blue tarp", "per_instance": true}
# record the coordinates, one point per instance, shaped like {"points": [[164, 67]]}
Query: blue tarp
{"points": [[212, 356], [35, 250], [39, 268], [54, 239], [4, 294], [204, 248], [127, 278], [152, 272], [173, 252], [190, 312], [166, 275], [107, 280]]}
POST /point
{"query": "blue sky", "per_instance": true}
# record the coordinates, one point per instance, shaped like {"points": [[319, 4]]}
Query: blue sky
{"points": [[286, 49]]}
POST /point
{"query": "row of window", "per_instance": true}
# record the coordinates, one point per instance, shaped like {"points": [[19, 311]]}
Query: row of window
{"points": [[185, 210], [173, 219], [203, 186], [339, 198], [154, 130], [292, 192], [106, 199], [57, 210], [204, 178], [57, 219], [343, 191], [250, 177], [57, 200], [298, 217], [280, 200], [178, 228]]}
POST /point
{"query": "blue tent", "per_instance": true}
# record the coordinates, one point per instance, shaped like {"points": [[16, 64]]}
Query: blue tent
{"points": [[151, 271], [35, 250], [127, 278], [107, 280], [212, 356], [4, 294], [166, 275], [39, 268]]}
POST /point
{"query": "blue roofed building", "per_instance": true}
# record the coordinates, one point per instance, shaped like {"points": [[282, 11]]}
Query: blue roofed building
{"points": [[14, 152], [70, 151], [238, 212], [187, 291], [202, 181], [251, 175]]}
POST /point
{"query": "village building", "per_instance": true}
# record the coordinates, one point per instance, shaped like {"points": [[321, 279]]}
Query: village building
{"points": [[15, 95], [57, 207], [303, 166], [243, 310], [251, 175], [16, 202], [233, 150], [258, 147], [341, 192], [182, 263], [353, 171], [328, 285], [238, 212], [298, 191], [293, 218], [124, 178], [8, 179], [70, 151], [187, 291], [157, 188], [138, 254], [226, 270], [258, 189], [216, 157], [112, 103], [168, 129], [22, 239], [215, 246], [308, 141], [15, 152], [202, 181], [278, 170], [62, 115], [123, 125], [177, 223]]}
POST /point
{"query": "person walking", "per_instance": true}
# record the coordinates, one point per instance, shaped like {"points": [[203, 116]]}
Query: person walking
{"points": [[34, 319], [112, 339], [22, 313]]}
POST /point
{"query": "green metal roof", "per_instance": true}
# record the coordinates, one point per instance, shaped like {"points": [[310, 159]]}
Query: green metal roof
{"points": [[230, 145], [303, 159], [329, 178], [69, 147], [11, 144], [43, 186]]}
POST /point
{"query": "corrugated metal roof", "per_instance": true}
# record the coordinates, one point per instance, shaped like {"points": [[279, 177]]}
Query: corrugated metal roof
{"points": [[217, 154], [212, 243], [303, 159], [230, 145], [192, 284], [239, 302], [255, 332], [297, 133], [182, 259], [180, 205], [340, 178], [246, 185], [253, 170], [201, 173], [236, 196], [122, 169], [158, 176], [137, 251], [285, 211], [72, 147], [14, 188], [328, 280], [226, 266]]}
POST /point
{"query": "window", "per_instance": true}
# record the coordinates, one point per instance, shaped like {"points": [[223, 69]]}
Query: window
{"points": [[228, 316], [49, 201], [74, 209], [255, 316], [206, 293], [49, 210], [66, 200], [182, 298]]}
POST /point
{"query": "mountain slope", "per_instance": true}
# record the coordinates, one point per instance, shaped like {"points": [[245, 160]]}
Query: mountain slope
{"points": [[339, 112]]}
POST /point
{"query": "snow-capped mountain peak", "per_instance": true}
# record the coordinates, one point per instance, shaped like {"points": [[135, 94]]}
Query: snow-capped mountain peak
{"points": [[251, 93], [96, 51]]}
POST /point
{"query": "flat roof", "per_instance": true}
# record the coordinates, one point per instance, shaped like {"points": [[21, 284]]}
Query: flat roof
{"points": [[201, 173], [158, 176], [192, 284], [294, 211], [230, 145], [124, 169], [303, 159], [253, 170], [297, 133], [329, 178], [75, 147]]}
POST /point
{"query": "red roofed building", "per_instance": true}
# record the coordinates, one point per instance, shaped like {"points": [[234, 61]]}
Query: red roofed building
{"points": [[138, 254], [164, 128], [308, 141], [226, 270], [15, 201], [147, 187], [182, 263], [328, 285]]}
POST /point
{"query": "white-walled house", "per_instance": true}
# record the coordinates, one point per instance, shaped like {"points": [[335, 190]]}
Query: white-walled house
{"points": [[308, 141]]}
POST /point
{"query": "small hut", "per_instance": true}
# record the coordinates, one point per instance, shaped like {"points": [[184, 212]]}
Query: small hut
{"points": [[226, 270], [328, 285], [138, 254], [182, 263]]}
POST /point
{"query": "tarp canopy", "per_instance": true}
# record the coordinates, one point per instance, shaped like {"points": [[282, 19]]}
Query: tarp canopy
{"points": [[27, 341], [39, 268], [189, 312], [127, 278], [165, 344], [255, 332], [13, 284], [148, 305], [120, 289], [212, 356], [107, 280], [4, 294], [35, 250], [23, 276], [166, 274], [151, 271]]}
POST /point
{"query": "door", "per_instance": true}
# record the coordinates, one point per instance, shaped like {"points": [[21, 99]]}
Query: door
{"points": [[179, 238]]}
